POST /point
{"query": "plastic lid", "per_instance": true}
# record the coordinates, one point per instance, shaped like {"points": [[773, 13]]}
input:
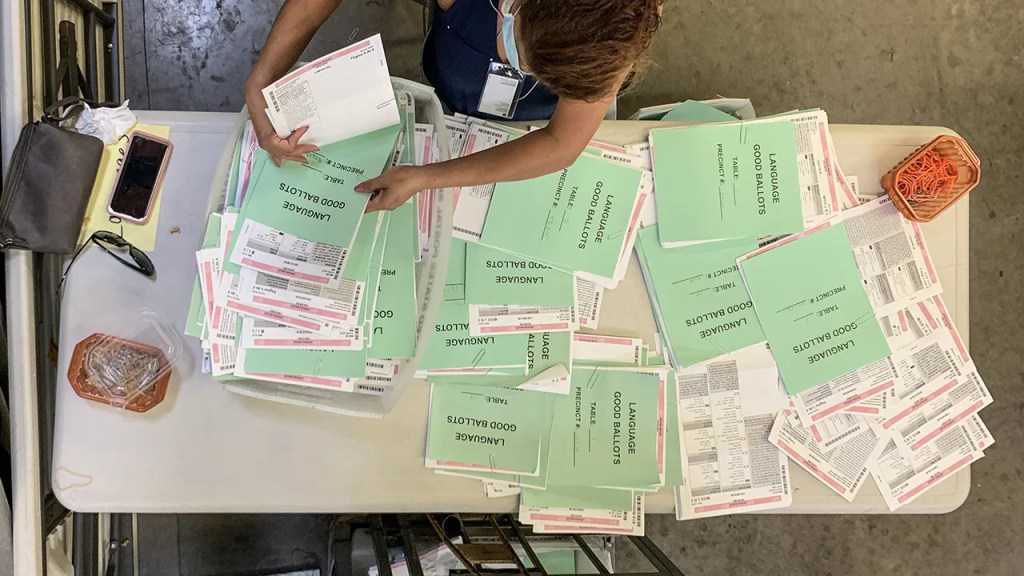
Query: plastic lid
{"points": [[129, 368]]}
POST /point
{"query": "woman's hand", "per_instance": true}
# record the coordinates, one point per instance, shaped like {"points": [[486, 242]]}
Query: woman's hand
{"points": [[392, 188], [283, 148]]}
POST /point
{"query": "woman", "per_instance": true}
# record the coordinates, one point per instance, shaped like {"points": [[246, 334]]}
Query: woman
{"points": [[573, 57]]}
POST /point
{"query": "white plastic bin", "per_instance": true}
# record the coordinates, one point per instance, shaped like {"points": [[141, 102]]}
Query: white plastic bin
{"points": [[431, 269]]}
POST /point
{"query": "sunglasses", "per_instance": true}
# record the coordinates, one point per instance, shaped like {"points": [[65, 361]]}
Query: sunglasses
{"points": [[107, 240]]}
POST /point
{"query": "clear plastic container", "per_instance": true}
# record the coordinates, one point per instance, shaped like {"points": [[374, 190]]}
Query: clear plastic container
{"points": [[951, 148], [129, 367]]}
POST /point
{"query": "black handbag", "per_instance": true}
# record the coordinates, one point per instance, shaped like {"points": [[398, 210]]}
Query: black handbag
{"points": [[46, 192]]}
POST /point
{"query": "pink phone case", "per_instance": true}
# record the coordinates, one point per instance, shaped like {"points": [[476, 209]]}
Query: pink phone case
{"points": [[157, 183]]}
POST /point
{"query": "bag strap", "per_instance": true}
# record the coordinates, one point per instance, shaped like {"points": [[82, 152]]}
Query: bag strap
{"points": [[72, 105]]}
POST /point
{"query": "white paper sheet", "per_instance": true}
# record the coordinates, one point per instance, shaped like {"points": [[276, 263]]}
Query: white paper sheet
{"points": [[588, 302], [341, 95], [726, 410], [337, 306], [903, 479], [596, 348], [266, 249], [470, 203], [488, 319], [258, 333], [891, 255], [850, 389], [843, 469]]}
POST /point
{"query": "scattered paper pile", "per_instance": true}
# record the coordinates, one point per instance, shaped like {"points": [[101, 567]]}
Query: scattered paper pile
{"points": [[296, 285], [759, 239], [797, 319], [795, 322], [520, 399]]}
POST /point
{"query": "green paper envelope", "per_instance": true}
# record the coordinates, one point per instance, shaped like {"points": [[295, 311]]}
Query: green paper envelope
{"points": [[813, 308], [578, 497], [450, 345], [546, 350], [395, 316], [197, 307], [496, 277], [605, 431], [374, 266], [700, 292], [693, 111], [455, 278], [673, 447], [730, 180], [407, 107], [540, 481], [317, 201], [492, 427], [327, 363], [555, 561], [575, 219]]}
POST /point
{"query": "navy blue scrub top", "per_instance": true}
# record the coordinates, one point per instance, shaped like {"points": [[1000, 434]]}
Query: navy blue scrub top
{"points": [[457, 53]]}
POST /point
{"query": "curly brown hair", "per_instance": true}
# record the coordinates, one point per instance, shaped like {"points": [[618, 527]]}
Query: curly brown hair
{"points": [[580, 48]]}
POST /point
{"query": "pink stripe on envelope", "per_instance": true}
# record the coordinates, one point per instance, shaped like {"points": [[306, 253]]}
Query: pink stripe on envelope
{"points": [[937, 477], [524, 328], [302, 341], [948, 424], [737, 504], [272, 315], [311, 65], [603, 339], [949, 324], [250, 263], [576, 519], [823, 134], [924, 252], [858, 398], [297, 307], [918, 403]]}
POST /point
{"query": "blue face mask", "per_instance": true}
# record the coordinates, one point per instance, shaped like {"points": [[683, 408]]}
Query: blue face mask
{"points": [[508, 35]]}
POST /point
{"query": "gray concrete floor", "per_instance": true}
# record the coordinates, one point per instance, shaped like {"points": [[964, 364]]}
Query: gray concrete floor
{"points": [[955, 63]]}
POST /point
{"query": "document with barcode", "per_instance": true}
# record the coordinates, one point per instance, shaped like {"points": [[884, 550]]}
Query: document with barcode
{"points": [[258, 333], [893, 260], [336, 306], [471, 202], [323, 94], [901, 478], [850, 389], [843, 468], [487, 319], [588, 302], [726, 410], [819, 193], [260, 247]]}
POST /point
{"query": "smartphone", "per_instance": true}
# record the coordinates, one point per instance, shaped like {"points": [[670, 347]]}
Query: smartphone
{"points": [[139, 180]]}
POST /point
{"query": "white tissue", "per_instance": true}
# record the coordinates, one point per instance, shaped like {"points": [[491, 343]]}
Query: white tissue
{"points": [[107, 124]]}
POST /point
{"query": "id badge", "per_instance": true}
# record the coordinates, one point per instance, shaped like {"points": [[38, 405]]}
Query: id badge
{"points": [[501, 90]]}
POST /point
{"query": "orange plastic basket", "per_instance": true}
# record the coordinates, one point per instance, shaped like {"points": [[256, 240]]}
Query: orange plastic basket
{"points": [[903, 185]]}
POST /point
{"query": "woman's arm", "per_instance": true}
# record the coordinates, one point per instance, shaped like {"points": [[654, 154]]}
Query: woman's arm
{"points": [[537, 153], [293, 28]]}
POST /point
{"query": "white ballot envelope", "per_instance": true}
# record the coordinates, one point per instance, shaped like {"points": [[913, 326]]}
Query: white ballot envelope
{"points": [[332, 94]]}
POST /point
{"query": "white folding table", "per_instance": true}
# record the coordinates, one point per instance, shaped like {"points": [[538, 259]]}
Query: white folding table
{"points": [[205, 449]]}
